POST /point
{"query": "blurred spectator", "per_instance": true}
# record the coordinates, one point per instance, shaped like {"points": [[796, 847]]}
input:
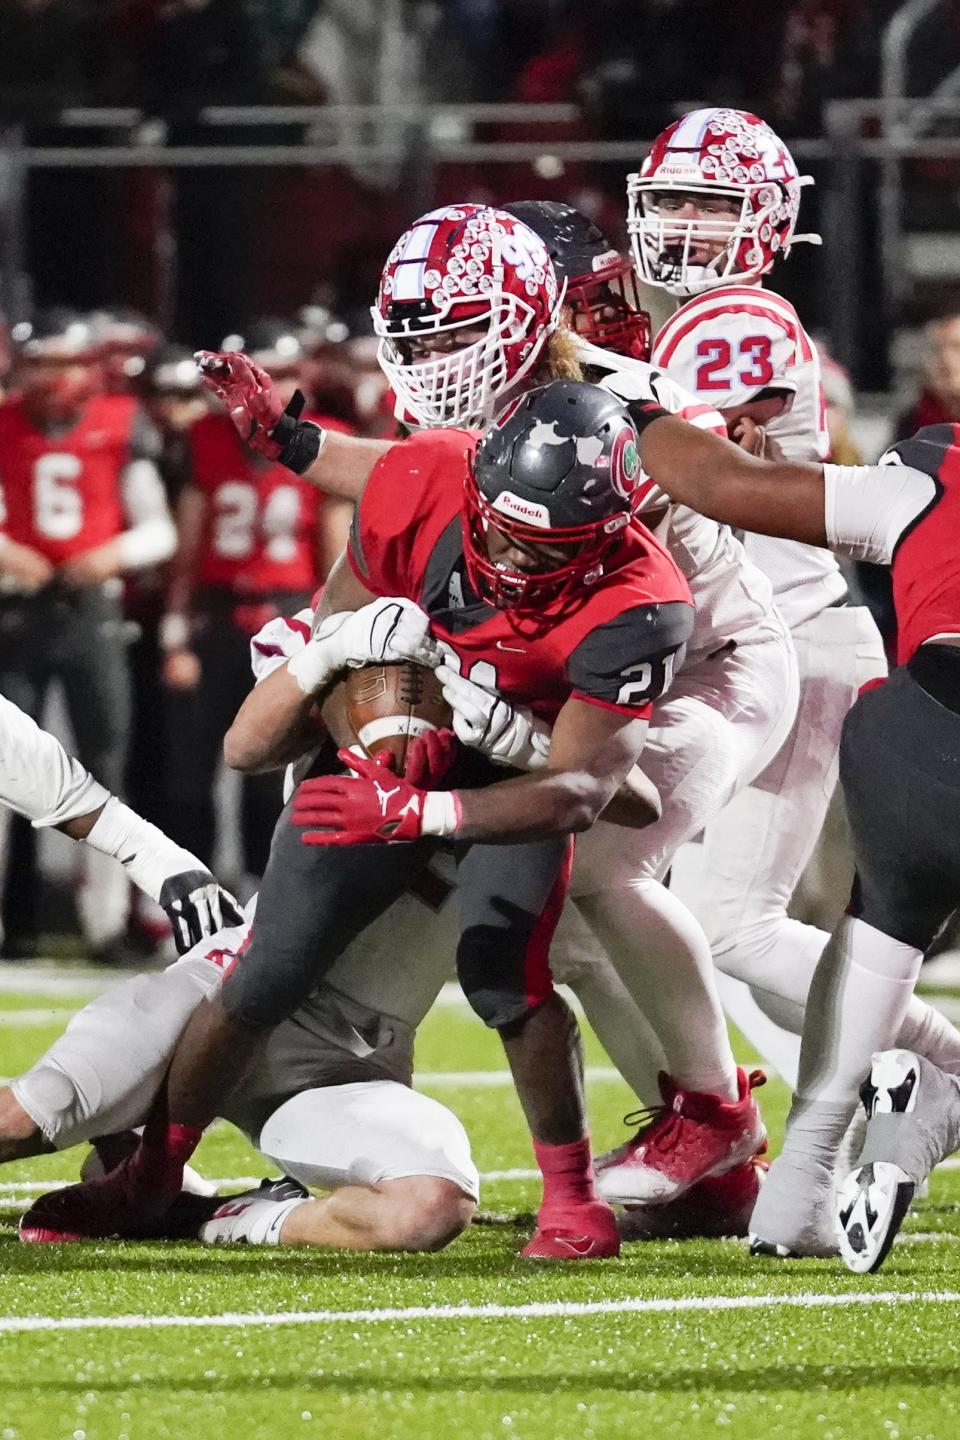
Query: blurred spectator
{"points": [[281, 26], [841, 406], [83, 505], [200, 52], [829, 51], [939, 398], [254, 543], [938, 403], [647, 63], [169, 386]]}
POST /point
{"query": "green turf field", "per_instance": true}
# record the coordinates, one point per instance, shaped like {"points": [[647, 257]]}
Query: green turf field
{"points": [[102, 1342]]}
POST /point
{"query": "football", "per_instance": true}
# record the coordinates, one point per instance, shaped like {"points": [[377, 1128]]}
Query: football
{"points": [[387, 706]]}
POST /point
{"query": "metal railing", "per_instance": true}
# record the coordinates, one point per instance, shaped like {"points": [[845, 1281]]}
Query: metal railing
{"points": [[419, 138]]}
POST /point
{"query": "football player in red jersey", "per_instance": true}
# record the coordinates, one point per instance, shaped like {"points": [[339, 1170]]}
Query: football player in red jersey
{"points": [[254, 542], [468, 296], [539, 576], [82, 504]]}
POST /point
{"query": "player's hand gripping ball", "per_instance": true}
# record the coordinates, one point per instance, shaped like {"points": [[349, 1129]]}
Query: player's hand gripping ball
{"points": [[393, 707]]}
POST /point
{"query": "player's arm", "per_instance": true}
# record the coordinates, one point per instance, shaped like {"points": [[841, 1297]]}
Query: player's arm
{"points": [[512, 735], [596, 741], [592, 750], [783, 498], [334, 518], [41, 781], [181, 668], [338, 464]]}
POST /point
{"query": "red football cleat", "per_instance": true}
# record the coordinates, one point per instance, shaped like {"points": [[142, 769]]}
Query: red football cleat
{"points": [[717, 1208], [691, 1137], [127, 1202], [588, 1232]]}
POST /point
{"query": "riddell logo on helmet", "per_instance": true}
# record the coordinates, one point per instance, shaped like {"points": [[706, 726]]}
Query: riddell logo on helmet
{"points": [[509, 504]]}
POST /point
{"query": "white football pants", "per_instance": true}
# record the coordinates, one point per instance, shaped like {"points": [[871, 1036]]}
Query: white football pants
{"points": [[740, 880], [723, 720]]}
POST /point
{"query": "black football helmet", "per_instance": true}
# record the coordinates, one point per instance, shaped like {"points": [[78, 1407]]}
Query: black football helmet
{"points": [[556, 472], [601, 283]]}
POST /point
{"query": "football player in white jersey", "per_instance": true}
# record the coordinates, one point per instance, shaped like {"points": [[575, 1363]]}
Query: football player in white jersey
{"points": [[328, 1101], [714, 205], [40, 781], [329, 1098]]}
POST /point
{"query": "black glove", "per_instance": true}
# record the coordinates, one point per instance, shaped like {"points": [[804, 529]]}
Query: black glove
{"points": [[197, 907]]}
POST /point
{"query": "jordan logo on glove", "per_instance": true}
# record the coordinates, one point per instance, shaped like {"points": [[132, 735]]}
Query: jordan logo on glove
{"points": [[358, 809]]}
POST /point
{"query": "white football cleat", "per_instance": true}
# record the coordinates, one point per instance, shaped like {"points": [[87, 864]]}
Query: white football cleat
{"points": [[913, 1122]]}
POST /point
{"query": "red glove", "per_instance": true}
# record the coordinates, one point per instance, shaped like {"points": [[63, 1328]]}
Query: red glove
{"points": [[248, 394], [371, 806], [429, 758]]}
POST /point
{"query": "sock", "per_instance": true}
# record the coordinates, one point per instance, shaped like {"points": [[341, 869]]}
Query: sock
{"points": [[858, 1002], [258, 1222], [165, 1150], [930, 1034], [567, 1172], [663, 958], [793, 1207], [779, 1048]]}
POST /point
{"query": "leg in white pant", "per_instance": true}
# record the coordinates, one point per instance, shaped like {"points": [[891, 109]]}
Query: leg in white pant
{"points": [[755, 851], [726, 714], [858, 1002]]}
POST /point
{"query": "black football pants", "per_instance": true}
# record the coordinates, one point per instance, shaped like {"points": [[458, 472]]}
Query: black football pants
{"points": [[900, 772], [315, 899]]}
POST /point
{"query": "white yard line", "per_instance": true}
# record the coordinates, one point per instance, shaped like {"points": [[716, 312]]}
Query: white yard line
{"points": [[494, 1079], [40, 1187], [547, 1309]]}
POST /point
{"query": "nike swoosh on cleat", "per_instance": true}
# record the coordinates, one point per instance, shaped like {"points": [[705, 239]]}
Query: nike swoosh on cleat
{"points": [[577, 1245]]}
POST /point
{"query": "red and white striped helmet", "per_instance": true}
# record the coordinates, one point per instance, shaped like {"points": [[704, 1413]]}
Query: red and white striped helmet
{"points": [[465, 268], [709, 153]]}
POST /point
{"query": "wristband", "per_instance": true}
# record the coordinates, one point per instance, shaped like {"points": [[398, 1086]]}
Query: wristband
{"points": [[300, 441], [442, 813], [148, 856], [314, 665]]}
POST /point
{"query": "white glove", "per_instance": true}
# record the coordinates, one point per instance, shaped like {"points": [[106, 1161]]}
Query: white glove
{"points": [[485, 721], [385, 632]]}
